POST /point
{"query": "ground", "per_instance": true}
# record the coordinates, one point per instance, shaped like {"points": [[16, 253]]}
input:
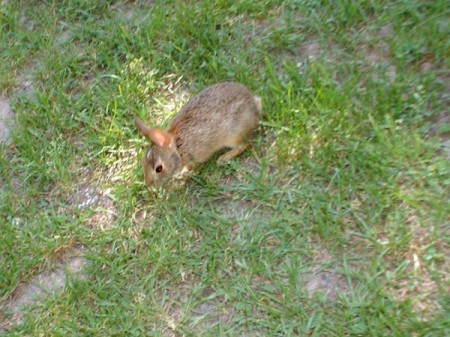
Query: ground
{"points": [[334, 223]]}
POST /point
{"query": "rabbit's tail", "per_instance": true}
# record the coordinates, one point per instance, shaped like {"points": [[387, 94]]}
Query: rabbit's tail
{"points": [[258, 103]]}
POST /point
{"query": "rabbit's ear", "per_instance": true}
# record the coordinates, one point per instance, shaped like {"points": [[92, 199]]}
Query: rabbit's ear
{"points": [[160, 138], [156, 136]]}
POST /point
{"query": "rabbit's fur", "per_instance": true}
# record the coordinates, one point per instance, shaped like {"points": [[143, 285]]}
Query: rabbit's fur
{"points": [[224, 115]]}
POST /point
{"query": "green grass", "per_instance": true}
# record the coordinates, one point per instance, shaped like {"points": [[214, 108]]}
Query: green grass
{"points": [[343, 177]]}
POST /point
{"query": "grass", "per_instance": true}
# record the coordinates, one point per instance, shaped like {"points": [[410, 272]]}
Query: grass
{"points": [[344, 181]]}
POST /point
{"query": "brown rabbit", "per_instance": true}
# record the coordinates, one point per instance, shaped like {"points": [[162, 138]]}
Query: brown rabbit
{"points": [[224, 115]]}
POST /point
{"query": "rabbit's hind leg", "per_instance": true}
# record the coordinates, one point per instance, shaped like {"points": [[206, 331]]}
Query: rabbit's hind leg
{"points": [[227, 156]]}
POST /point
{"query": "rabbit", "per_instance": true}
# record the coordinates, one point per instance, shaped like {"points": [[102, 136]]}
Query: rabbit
{"points": [[224, 115]]}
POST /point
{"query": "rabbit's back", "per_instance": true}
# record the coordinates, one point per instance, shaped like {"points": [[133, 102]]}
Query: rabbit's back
{"points": [[220, 116]]}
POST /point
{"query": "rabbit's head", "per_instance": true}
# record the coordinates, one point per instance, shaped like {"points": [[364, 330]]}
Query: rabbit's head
{"points": [[162, 160]]}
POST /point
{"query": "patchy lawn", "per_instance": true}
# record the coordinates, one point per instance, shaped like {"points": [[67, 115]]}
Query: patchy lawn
{"points": [[334, 223]]}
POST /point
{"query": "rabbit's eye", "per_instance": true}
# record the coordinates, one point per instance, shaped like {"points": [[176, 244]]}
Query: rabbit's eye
{"points": [[158, 169]]}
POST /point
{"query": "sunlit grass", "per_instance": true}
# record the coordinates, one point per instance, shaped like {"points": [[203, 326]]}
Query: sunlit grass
{"points": [[343, 180]]}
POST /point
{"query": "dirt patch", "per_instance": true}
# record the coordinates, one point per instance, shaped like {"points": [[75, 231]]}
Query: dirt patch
{"points": [[24, 86], [180, 305], [25, 81], [132, 10], [307, 52], [44, 284], [444, 96], [416, 272], [440, 128], [374, 50], [446, 148], [249, 212], [327, 283], [311, 50], [6, 120], [324, 281], [89, 195], [64, 37], [424, 257]]}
